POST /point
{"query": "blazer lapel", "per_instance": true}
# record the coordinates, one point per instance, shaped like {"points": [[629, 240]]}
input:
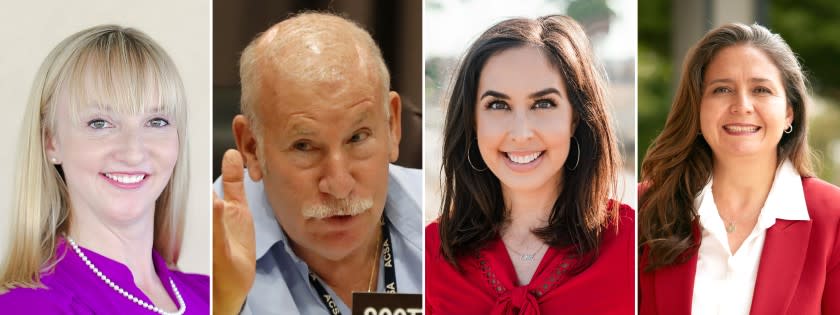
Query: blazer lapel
{"points": [[780, 267]]}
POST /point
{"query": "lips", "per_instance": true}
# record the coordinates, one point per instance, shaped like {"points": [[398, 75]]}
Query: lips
{"points": [[520, 158]]}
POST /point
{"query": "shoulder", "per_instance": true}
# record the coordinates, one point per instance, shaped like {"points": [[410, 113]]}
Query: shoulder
{"points": [[822, 199], [405, 181], [623, 230], [45, 300], [404, 173], [432, 248], [432, 236], [626, 217]]}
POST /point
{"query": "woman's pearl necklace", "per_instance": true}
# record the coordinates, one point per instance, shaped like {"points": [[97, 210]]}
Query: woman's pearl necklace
{"points": [[127, 295]]}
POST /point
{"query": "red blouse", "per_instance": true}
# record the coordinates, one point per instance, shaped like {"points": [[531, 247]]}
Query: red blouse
{"points": [[487, 281]]}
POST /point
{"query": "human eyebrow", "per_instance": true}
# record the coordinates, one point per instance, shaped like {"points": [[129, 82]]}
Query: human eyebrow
{"points": [[495, 94], [725, 80], [545, 92], [301, 131]]}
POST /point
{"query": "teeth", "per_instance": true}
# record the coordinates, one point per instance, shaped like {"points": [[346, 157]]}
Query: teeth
{"points": [[126, 179], [524, 159], [742, 128]]}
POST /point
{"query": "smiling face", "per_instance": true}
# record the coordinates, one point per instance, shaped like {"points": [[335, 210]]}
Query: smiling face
{"points": [[744, 109], [115, 164], [524, 121]]}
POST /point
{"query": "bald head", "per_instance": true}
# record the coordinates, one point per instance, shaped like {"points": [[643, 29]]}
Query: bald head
{"points": [[305, 51]]}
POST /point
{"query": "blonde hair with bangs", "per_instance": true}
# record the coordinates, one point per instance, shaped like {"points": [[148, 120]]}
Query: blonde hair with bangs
{"points": [[111, 67]]}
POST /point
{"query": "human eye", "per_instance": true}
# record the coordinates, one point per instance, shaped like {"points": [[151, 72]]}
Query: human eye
{"points": [[544, 104], [721, 89], [157, 122], [98, 123], [359, 136], [302, 146], [762, 90], [497, 105]]}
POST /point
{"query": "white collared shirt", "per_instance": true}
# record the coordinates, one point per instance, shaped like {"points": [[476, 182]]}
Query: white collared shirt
{"points": [[724, 283]]}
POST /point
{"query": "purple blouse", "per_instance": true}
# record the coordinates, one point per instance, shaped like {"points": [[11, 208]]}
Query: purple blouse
{"points": [[72, 288]]}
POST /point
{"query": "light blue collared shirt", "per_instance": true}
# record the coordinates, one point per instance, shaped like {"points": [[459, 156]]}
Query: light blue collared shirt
{"points": [[281, 285]]}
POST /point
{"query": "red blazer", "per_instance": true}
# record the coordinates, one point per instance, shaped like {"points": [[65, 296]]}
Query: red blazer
{"points": [[487, 286], [799, 271]]}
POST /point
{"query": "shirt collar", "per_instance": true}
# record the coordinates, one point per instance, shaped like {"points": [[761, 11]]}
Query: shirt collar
{"points": [[785, 201], [401, 208]]}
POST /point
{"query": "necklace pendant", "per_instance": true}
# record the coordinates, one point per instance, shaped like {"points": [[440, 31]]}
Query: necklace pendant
{"points": [[730, 228], [527, 257]]}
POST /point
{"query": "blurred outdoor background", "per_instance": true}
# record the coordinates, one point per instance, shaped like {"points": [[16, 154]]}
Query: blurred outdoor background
{"points": [[668, 28], [451, 26]]}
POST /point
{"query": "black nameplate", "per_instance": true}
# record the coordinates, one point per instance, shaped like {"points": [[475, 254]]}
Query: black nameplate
{"points": [[365, 303]]}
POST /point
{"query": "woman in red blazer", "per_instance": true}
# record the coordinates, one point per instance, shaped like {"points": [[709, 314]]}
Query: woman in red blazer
{"points": [[530, 161], [731, 218]]}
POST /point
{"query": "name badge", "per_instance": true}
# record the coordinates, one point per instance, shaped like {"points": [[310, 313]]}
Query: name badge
{"points": [[365, 303]]}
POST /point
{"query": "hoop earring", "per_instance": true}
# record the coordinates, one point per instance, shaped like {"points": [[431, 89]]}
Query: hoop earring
{"points": [[469, 160], [789, 129], [577, 161]]}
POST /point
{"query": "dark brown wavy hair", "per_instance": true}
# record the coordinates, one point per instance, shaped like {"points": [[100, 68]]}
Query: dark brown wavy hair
{"points": [[679, 162], [473, 211]]}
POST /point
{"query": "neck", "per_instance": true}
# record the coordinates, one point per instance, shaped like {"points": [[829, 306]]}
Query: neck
{"points": [[743, 183], [528, 209], [129, 244], [351, 273]]}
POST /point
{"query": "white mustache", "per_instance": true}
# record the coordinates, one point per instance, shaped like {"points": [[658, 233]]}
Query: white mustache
{"points": [[335, 207]]}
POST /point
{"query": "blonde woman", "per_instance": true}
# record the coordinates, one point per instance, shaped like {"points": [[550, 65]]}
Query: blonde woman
{"points": [[102, 180]]}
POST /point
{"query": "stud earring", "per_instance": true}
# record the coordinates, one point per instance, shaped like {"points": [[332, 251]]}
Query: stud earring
{"points": [[789, 129], [54, 160]]}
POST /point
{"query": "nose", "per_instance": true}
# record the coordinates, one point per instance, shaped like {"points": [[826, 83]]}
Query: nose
{"points": [[336, 180], [520, 128], [132, 149], [743, 103]]}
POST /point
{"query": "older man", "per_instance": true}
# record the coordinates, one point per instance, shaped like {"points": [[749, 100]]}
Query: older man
{"points": [[320, 208]]}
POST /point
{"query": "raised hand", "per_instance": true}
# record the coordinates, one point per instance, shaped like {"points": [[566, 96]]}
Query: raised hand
{"points": [[234, 257]]}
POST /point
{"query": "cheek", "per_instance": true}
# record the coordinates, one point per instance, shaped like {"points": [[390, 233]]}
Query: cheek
{"points": [[489, 130], [708, 117], [167, 148], [778, 112]]}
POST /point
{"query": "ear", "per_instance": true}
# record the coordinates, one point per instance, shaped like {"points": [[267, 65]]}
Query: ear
{"points": [[395, 124], [789, 115], [52, 148], [246, 143]]}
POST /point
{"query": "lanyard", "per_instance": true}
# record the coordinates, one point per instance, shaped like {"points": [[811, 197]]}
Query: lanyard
{"points": [[389, 275]]}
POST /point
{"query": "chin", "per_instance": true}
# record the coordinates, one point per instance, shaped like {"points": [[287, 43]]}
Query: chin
{"points": [[336, 249]]}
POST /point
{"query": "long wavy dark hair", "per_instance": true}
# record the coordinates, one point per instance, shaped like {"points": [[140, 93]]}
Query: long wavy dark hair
{"points": [[473, 210], [679, 162]]}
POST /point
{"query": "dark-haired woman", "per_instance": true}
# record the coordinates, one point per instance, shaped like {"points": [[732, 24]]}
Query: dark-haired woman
{"points": [[732, 219], [529, 163]]}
